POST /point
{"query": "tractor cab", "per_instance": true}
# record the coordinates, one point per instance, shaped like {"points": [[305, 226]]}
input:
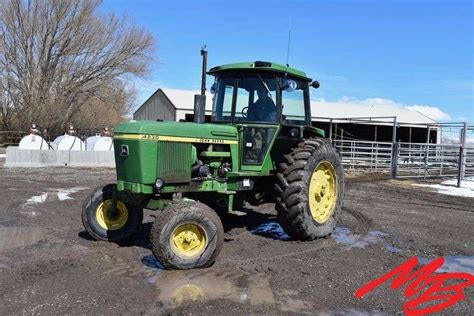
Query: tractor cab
{"points": [[260, 98], [262, 93]]}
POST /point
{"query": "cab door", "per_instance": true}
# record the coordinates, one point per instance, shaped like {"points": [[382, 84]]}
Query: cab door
{"points": [[256, 138], [256, 141]]}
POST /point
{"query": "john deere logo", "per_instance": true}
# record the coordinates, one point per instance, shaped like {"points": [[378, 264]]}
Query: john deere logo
{"points": [[123, 150]]}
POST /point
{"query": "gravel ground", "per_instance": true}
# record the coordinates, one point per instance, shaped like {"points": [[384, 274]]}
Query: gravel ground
{"points": [[50, 265]]}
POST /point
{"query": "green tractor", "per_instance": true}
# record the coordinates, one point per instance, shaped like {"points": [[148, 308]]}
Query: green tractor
{"points": [[258, 147]]}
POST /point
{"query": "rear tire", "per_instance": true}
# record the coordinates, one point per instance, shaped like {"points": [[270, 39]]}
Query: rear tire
{"points": [[101, 224], [310, 190], [187, 235]]}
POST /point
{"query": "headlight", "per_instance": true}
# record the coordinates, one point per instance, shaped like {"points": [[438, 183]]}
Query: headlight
{"points": [[159, 183]]}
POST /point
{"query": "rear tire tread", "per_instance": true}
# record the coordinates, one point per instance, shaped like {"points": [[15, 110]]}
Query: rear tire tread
{"points": [[292, 188]]}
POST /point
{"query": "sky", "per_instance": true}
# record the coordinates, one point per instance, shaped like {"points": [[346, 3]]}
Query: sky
{"points": [[414, 54]]}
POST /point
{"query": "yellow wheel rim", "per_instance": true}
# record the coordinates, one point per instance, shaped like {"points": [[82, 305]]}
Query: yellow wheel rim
{"points": [[322, 193], [111, 220], [188, 240]]}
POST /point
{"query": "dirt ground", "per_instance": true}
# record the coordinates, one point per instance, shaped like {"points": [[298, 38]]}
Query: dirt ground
{"points": [[50, 265]]}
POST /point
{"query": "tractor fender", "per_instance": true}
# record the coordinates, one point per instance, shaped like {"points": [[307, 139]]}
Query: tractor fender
{"points": [[310, 131]]}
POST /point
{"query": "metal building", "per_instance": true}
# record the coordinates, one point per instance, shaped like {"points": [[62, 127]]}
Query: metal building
{"points": [[157, 107]]}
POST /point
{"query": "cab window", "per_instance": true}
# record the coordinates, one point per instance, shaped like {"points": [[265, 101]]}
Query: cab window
{"points": [[292, 100], [222, 103], [256, 99]]}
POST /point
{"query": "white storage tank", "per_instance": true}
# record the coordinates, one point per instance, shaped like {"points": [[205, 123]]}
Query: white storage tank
{"points": [[33, 141], [104, 143], [58, 139], [90, 142], [71, 143]]}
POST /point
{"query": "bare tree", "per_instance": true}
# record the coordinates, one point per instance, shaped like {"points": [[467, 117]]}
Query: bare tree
{"points": [[107, 110], [58, 56]]}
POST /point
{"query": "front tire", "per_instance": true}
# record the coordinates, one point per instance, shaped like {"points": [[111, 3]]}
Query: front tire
{"points": [[310, 190], [102, 223], [187, 235]]}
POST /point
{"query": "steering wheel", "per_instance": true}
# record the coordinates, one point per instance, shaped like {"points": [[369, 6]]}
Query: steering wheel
{"points": [[245, 111]]}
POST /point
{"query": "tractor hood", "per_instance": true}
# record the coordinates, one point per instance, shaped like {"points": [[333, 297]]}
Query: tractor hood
{"points": [[176, 131]]}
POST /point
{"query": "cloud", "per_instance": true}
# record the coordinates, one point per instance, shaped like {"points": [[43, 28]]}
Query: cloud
{"points": [[353, 107], [430, 111]]}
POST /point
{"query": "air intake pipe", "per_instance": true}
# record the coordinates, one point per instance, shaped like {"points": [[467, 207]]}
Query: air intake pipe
{"points": [[200, 99]]}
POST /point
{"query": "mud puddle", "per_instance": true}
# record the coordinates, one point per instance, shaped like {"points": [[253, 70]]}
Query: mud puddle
{"points": [[18, 237], [178, 287], [352, 312], [453, 264], [343, 235], [393, 249]]}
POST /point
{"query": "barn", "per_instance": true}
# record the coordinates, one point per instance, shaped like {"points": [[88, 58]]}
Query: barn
{"points": [[339, 120]]}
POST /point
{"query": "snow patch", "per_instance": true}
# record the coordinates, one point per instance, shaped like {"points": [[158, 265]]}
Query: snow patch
{"points": [[60, 194], [37, 199], [449, 187], [64, 194]]}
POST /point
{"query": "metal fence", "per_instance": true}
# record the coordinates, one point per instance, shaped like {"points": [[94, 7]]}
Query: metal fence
{"points": [[469, 164], [451, 156], [427, 160], [365, 155]]}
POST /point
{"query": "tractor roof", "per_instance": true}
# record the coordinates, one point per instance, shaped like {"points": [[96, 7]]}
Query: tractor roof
{"points": [[259, 66]]}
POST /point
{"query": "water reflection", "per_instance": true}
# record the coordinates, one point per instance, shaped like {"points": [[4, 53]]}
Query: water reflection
{"points": [[343, 235], [178, 287], [453, 264]]}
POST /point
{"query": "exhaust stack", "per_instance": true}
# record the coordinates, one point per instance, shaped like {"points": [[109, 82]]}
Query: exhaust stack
{"points": [[200, 99]]}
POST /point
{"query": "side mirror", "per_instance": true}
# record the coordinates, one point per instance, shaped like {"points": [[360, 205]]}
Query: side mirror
{"points": [[315, 84], [213, 88]]}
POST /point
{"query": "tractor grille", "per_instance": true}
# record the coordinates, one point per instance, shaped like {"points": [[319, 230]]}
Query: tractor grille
{"points": [[174, 162]]}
